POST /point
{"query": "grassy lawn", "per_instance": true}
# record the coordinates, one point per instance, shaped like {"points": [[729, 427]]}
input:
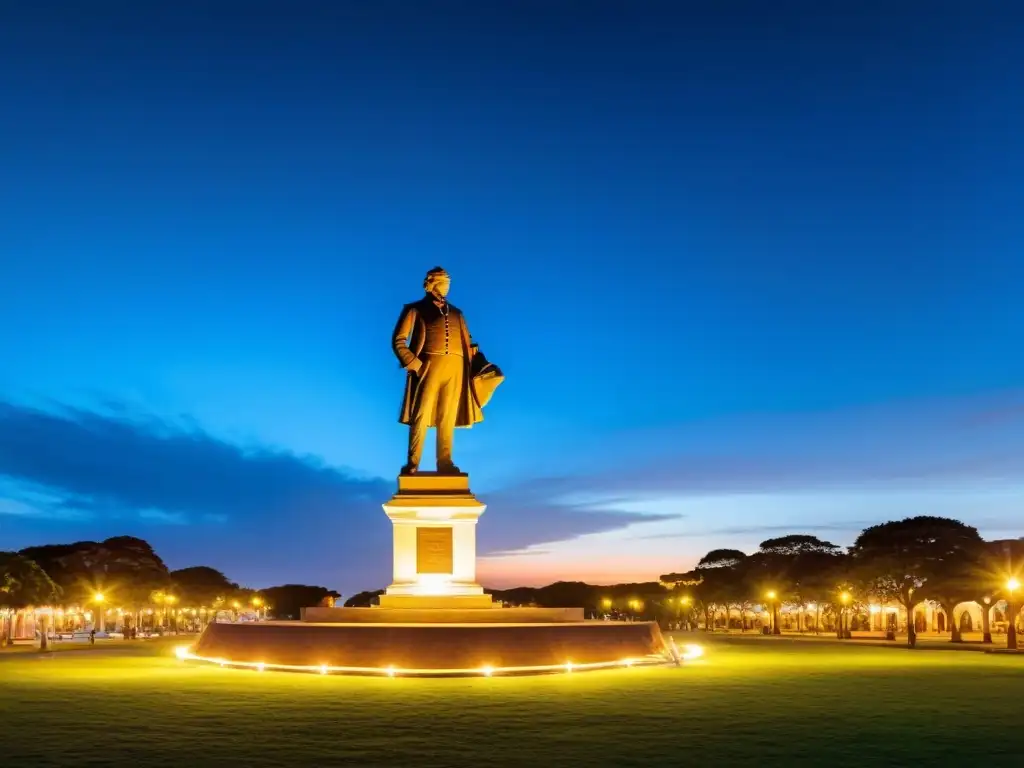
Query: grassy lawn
{"points": [[750, 699]]}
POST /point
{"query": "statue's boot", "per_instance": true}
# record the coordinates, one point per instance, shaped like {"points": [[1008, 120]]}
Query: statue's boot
{"points": [[448, 468], [409, 469]]}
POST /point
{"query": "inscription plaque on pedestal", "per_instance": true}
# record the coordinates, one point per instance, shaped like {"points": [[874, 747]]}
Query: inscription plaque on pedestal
{"points": [[434, 550]]}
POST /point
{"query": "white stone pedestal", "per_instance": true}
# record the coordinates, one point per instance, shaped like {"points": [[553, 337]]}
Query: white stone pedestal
{"points": [[434, 526]]}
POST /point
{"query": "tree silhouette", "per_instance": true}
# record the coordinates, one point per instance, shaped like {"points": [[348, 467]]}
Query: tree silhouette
{"points": [[288, 600], [201, 585], [896, 559], [23, 584], [801, 569]]}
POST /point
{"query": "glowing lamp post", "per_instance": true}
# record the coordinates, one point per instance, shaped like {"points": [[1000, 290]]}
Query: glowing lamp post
{"points": [[98, 598], [1012, 585], [636, 606], [986, 619], [774, 605], [257, 603], [844, 632], [684, 606]]}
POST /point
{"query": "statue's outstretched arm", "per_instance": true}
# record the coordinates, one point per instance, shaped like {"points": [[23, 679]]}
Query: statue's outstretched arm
{"points": [[400, 340]]}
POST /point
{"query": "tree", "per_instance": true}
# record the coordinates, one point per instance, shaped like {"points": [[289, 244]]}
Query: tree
{"points": [[800, 568], [68, 565], [124, 568], [896, 559], [822, 580], [1003, 564], [577, 594], [23, 584], [129, 571], [721, 558], [953, 579], [789, 566], [565, 594], [797, 544], [722, 583], [200, 585], [987, 582], [686, 586], [363, 599], [288, 600]]}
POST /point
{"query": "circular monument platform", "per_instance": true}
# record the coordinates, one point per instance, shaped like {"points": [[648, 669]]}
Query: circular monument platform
{"points": [[434, 619], [431, 649]]}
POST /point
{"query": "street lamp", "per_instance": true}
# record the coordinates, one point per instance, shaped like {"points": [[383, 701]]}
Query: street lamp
{"points": [[98, 598], [986, 619], [773, 604], [684, 602], [844, 598], [1012, 585]]}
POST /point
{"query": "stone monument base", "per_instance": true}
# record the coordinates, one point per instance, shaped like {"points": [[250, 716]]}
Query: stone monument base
{"points": [[450, 615], [433, 518], [438, 602], [434, 619], [430, 649]]}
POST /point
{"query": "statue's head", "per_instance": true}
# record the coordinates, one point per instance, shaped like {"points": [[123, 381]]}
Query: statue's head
{"points": [[437, 282]]}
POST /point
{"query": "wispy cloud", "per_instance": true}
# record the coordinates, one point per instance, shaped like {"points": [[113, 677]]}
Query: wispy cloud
{"points": [[760, 530], [91, 474], [114, 469], [536, 514], [159, 516], [650, 499], [887, 447], [17, 508], [694, 487], [98, 462]]}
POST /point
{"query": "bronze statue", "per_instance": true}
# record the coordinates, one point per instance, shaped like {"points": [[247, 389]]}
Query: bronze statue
{"points": [[448, 380]]}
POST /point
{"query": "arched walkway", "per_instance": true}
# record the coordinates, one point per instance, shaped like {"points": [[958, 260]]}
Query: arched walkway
{"points": [[966, 622]]}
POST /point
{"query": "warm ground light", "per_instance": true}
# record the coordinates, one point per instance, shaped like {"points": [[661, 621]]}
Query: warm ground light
{"points": [[805, 702]]}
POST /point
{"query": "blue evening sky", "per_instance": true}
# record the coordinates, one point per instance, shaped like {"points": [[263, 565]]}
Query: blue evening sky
{"points": [[750, 268]]}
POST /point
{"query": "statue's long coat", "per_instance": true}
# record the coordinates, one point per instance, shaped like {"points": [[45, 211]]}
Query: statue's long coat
{"points": [[408, 340]]}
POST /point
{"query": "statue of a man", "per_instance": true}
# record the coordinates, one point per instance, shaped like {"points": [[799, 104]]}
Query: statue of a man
{"points": [[433, 345]]}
